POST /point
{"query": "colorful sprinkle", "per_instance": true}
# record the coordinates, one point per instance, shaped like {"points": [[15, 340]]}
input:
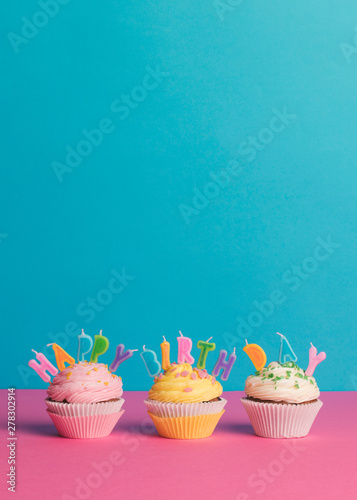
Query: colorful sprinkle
{"points": [[99, 381], [160, 376], [193, 376], [88, 373], [187, 389], [106, 383], [177, 375], [95, 369], [184, 373], [213, 380]]}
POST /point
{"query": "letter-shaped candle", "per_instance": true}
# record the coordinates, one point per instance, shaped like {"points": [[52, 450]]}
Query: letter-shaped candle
{"points": [[165, 354], [314, 360], [120, 356], [150, 359], [101, 345], [43, 366], [286, 352], [256, 354], [62, 357], [83, 338], [205, 347], [184, 350], [224, 365]]}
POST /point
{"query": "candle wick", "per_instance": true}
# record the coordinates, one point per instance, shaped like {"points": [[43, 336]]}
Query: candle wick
{"points": [[143, 348], [135, 349], [282, 336], [82, 332], [208, 339], [100, 333], [164, 338], [234, 350], [50, 344], [180, 333], [34, 351], [246, 341]]}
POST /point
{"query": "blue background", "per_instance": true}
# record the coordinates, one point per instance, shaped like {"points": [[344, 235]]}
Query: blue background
{"points": [[226, 73]]}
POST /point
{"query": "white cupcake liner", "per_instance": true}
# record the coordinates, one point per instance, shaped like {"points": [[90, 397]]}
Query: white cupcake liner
{"points": [[274, 420], [173, 410], [84, 409]]}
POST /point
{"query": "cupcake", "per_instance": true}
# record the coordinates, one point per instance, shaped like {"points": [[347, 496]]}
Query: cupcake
{"points": [[185, 402], [84, 401], [282, 401]]}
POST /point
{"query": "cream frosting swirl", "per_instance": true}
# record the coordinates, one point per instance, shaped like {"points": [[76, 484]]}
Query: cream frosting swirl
{"points": [[282, 382], [184, 384], [85, 383]]}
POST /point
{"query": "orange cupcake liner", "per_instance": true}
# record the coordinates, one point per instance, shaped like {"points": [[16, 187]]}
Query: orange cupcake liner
{"points": [[197, 427]]}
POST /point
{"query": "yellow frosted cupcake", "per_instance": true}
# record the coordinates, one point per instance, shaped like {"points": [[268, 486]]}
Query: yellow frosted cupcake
{"points": [[185, 402]]}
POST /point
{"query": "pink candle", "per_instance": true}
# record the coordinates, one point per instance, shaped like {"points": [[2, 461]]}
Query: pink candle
{"points": [[314, 360], [184, 350], [42, 367]]}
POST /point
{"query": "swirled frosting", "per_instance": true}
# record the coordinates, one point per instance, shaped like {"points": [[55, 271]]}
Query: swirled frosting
{"points": [[282, 382], [184, 384], [85, 383]]}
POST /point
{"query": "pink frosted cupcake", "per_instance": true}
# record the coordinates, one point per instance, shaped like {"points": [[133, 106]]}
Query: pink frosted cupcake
{"points": [[282, 401], [84, 401]]}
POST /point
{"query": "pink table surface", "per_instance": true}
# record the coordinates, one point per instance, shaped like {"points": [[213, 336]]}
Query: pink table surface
{"points": [[232, 464]]}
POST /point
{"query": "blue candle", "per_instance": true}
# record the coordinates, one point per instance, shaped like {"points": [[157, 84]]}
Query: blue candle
{"points": [[286, 352], [151, 362], [83, 338]]}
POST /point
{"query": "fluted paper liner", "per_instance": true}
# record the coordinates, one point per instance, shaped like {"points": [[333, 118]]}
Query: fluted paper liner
{"points": [[273, 420], [197, 427], [173, 410], [84, 409], [80, 427]]}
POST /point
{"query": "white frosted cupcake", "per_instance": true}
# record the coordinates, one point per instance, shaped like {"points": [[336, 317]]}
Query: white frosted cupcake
{"points": [[282, 401]]}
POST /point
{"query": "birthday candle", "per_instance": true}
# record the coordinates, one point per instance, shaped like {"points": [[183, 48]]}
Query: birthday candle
{"points": [[42, 367], [101, 345], [184, 350], [224, 365], [314, 360], [205, 347], [286, 352], [120, 356], [256, 354], [83, 337], [165, 354], [151, 362], [62, 357]]}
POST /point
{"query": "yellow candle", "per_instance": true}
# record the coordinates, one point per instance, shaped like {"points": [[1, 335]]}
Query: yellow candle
{"points": [[165, 353], [256, 355], [62, 357]]}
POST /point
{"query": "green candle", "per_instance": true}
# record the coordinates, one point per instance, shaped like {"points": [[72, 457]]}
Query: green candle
{"points": [[205, 347], [101, 345]]}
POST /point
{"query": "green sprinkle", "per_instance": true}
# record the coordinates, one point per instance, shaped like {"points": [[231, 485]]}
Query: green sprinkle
{"points": [[271, 375], [296, 385]]}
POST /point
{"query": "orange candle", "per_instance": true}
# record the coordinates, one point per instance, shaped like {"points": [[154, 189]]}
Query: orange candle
{"points": [[256, 355], [62, 357], [165, 353]]}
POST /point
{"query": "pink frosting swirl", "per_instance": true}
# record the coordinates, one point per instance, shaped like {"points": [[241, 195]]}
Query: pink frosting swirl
{"points": [[85, 383]]}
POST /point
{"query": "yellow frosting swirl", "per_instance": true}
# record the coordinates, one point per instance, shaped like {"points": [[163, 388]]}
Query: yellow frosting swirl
{"points": [[184, 384]]}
